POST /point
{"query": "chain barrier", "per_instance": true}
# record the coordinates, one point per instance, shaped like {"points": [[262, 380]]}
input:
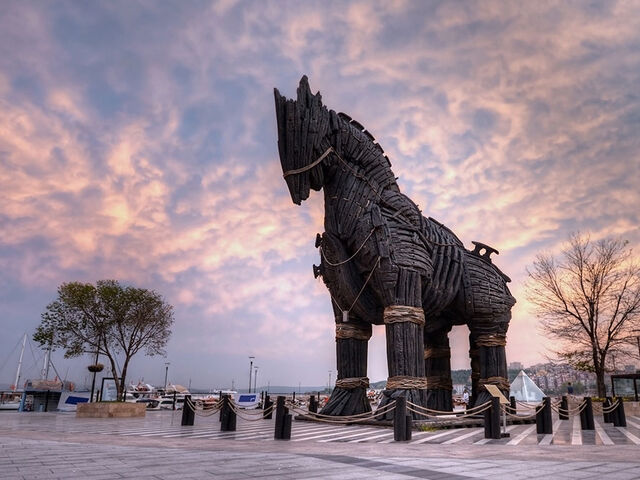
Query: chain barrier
{"points": [[200, 410], [506, 409], [485, 406], [571, 411], [429, 412], [347, 418], [251, 417], [357, 415], [610, 408]]}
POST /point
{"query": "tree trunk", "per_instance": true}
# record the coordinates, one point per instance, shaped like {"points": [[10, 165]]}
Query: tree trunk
{"points": [[114, 373], [599, 369], [122, 394]]}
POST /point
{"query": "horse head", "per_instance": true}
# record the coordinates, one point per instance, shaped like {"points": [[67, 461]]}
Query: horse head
{"points": [[303, 127]]}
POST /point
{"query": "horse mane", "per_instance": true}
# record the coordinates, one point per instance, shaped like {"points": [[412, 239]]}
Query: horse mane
{"points": [[367, 153]]}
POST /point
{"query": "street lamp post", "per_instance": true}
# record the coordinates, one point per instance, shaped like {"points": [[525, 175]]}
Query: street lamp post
{"points": [[255, 379], [166, 375], [250, 371]]}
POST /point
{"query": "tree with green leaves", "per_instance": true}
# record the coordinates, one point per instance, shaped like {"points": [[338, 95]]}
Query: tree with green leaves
{"points": [[108, 318], [588, 301]]}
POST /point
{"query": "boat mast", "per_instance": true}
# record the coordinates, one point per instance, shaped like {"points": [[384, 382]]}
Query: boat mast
{"points": [[24, 342], [45, 366]]}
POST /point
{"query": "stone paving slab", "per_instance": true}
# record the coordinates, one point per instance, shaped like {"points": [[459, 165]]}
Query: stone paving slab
{"points": [[55, 446]]}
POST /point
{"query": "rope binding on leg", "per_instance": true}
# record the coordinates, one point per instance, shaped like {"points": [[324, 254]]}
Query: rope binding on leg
{"points": [[402, 314], [353, 330], [350, 383]]}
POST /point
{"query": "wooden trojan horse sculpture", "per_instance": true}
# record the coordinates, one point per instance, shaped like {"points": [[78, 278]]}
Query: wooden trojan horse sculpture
{"points": [[384, 263]]}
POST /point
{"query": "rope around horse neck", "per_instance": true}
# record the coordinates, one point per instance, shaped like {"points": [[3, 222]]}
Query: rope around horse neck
{"points": [[352, 256], [311, 165], [359, 293]]}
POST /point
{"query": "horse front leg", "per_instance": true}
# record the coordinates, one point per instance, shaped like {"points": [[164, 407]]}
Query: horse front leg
{"points": [[404, 323], [349, 397]]}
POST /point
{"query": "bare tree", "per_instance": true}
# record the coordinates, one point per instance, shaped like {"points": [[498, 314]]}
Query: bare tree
{"points": [[108, 318], [588, 300]]}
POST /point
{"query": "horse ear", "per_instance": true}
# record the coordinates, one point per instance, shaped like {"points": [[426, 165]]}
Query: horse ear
{"points": [[305, 97], [304, 92]]}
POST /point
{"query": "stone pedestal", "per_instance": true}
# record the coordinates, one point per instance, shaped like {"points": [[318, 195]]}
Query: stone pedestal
{"points": [[110, 410]]}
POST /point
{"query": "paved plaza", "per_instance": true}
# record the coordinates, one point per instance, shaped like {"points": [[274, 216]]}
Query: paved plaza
{"points": [[58, 445]]}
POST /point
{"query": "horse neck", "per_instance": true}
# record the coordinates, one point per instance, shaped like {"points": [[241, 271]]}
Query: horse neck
{"points": [[358, 149], [361, 174]]}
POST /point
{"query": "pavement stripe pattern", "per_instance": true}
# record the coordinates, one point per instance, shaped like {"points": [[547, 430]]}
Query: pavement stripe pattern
{"points": [[564, 432]]}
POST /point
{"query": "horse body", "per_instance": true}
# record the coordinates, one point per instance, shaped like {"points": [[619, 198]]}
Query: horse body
{"points": [[383, 262]]}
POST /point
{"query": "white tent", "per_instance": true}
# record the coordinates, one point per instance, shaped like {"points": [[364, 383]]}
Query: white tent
{"points": [[524, 389]]}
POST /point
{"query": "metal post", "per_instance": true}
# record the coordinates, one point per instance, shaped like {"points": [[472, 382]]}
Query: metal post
{"points": [[492, 419], [166, 375], [586, 416], [174, 400], [255, 379], [283, 421], [401, 428], [188, 413], [250, 371], [564, 406], [619, 417], [543, 417], [228, 416]]}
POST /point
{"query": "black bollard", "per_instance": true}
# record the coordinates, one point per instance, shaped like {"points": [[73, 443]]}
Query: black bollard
{"points": [[283, 421], [512, 404], [227, 415], [586, 415], [543, 417], [267, 406], [188, 412], [401, 421], [223, 408], [564, 407], [174, 400], [313, 404], [492, 419], [619, 417], [607, 417]]}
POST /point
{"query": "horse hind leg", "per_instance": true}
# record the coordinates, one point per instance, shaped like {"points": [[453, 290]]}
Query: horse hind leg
{"points": [[437, 365], [488, 357], [349, 397]]}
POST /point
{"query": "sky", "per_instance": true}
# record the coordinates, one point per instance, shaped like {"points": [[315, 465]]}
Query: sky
{"points": [[138, 143]]}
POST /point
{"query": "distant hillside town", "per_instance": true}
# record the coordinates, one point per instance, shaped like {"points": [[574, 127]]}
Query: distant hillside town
{"points": [[552, 378]]}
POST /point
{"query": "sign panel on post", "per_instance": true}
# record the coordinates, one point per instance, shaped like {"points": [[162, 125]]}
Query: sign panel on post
{"points": [[495, 392]]}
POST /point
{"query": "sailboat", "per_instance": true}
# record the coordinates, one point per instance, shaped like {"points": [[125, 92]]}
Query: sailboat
{"points": [[11, 400]]}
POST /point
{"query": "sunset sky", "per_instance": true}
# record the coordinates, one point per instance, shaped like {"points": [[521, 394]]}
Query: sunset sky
{"points": [[138, 142]]}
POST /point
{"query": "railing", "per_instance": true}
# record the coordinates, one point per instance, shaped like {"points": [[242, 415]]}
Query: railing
{"points": [[612, 412]]}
